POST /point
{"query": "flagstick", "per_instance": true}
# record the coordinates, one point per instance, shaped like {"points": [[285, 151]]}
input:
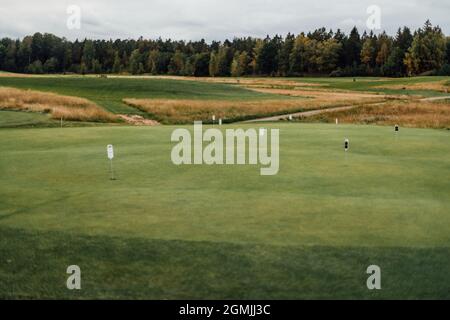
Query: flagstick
{"points": [[112, 169]]}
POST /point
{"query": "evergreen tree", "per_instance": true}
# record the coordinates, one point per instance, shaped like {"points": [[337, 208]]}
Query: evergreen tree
{"points": [[428, 50], [88, 55], [224, 59], [284, 56], [201, 64], [352, 49], [267, 60], [320, 51]]}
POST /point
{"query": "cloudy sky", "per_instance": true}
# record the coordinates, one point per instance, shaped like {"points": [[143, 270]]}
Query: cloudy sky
{"points": [[210, 19]]}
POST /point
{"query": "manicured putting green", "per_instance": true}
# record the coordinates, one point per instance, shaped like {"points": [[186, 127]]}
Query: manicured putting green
{"points": [[162, 231]]}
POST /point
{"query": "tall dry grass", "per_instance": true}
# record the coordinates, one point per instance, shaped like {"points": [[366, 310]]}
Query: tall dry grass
{"points": [[417, 114], [441, 86], [58, 106], [187, 111]]}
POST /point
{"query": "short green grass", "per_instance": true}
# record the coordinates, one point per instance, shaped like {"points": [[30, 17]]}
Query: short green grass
{"points": [[167, 232], [10, 119]]}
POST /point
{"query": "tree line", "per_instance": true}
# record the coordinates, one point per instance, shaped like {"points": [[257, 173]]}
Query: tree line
{"points": [[321, 52]]}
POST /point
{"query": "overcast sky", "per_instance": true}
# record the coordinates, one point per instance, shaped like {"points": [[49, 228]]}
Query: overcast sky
{"points": [[211, 19]]}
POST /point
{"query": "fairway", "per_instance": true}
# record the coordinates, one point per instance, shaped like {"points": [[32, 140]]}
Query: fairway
{"points": [[162, 231]]}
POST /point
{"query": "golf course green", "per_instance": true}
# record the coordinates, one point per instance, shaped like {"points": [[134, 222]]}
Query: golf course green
{"points": [[162, 231]]}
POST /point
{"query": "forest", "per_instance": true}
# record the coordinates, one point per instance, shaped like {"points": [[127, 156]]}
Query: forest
{"points": [[425, 51]]}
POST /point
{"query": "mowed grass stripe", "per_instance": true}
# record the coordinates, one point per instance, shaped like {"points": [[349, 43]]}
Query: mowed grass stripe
{"points": [[34, 264]]}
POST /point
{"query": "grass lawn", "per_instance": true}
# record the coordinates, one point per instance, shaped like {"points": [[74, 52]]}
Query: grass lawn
{"points": [[19, 119], [229, 93], [167, 232], [376, 84], [109, 93]]}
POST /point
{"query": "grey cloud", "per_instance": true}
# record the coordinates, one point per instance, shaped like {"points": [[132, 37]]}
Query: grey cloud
{"points": [[210, 19]]}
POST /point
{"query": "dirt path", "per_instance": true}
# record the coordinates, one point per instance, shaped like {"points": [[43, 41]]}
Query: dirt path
{"points": [[436, 98], [305, 114]]}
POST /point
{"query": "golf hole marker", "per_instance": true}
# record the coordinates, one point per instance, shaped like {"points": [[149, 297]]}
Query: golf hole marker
{"points": [[110, 152], [346, 145]]}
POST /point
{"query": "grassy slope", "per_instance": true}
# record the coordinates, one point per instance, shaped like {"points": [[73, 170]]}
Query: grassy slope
{"points": [[163, 231], [109, 93], [373, 84]]}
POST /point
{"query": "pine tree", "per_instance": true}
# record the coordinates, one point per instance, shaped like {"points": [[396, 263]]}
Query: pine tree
{"points": [[428, 50], [283, 59], [88, 55]]}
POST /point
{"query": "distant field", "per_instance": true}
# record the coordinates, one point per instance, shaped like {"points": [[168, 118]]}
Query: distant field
{"points": [[163, 232], [109, 93], [173, 100]]}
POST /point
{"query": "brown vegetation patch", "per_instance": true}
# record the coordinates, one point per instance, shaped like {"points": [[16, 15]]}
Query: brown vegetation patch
{"points": [[441, 86], [68, 108], [14, 75], [187, 111], [418, 114]]}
